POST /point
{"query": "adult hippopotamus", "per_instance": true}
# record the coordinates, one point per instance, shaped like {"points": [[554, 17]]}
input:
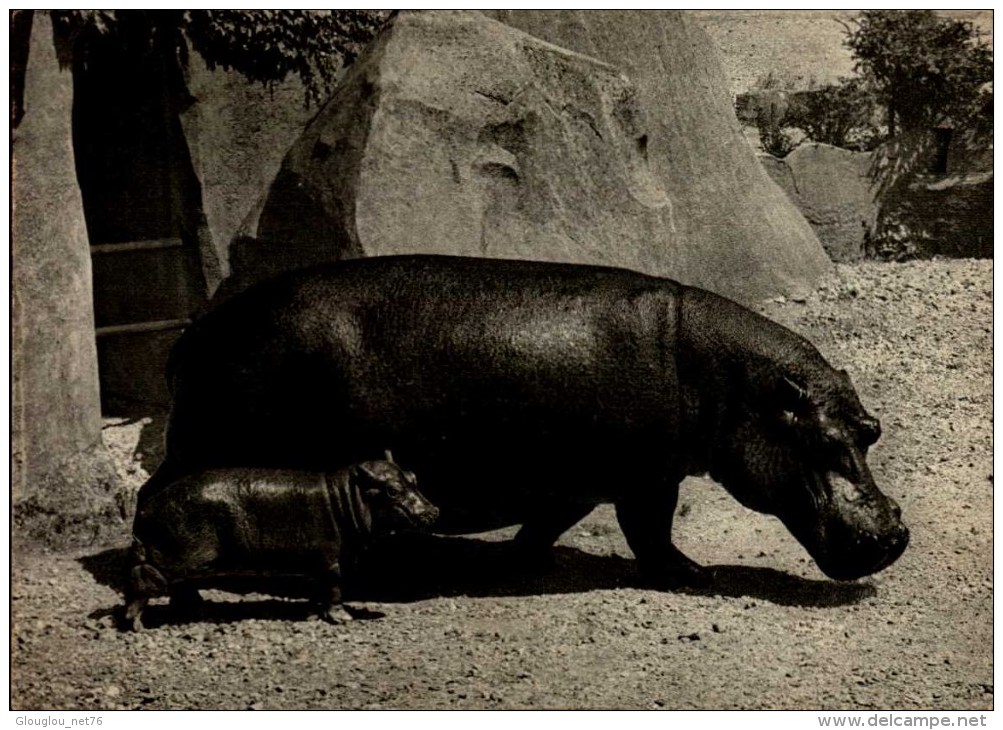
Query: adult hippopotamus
{"points": [[528, 393], [259, 525]]}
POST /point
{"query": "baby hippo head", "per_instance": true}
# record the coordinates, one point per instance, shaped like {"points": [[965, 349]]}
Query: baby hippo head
{"points": [[392, 496]]}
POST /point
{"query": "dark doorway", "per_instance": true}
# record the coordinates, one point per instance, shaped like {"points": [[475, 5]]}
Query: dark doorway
{"points": [[142, 204], [941, 150]]}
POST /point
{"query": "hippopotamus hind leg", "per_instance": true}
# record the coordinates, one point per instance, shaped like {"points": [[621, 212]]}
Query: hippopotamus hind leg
{"points": [[646, 522], [143, 583]]}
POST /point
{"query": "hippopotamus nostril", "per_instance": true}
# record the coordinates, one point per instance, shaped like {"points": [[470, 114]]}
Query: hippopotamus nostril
{"points": [[897, 541]]}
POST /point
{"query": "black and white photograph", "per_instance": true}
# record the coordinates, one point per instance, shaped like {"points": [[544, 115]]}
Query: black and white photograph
{"points": [[461, 359]]}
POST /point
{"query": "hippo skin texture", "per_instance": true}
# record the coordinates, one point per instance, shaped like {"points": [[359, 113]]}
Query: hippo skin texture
{"points": [[252, 527], [528, 393]]}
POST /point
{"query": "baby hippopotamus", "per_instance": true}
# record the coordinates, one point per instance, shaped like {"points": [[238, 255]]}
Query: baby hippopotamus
{"points": [[259, 525]]}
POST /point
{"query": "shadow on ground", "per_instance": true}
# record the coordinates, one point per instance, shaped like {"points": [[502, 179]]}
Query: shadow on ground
{"points": [[418, 567]]}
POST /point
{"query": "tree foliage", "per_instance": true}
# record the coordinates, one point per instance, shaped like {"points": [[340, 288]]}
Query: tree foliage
{"points": [[837, 114], [267, 45], [925, 69], [264, 46]]}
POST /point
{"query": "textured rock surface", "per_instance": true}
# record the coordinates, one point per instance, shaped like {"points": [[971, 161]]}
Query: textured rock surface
{"points": [[61, 473], [735, 232], [832, 189], [237, 134], [457, 134]]}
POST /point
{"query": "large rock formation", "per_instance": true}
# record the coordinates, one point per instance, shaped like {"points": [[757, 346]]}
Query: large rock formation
{"points": [[458, 134], [833, 189], [62, 478], [237, 133]]}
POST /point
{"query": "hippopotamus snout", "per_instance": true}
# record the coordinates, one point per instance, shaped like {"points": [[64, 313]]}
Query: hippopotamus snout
{"points": [[860, 531], [868, 555], [420, 512]]}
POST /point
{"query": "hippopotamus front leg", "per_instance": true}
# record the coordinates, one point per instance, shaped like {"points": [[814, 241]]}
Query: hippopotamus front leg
{"points": [[646, 521], [538, 534], [329, 596], [186, 602]]}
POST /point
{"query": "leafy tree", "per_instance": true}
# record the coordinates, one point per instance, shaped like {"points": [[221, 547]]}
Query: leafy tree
{"points": [[263, 45], [924, 69], [837, 114], [774, 135]]}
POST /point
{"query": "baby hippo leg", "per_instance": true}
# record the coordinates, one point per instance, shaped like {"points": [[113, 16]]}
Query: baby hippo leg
{"points": [[143, 583], [329, 596]]}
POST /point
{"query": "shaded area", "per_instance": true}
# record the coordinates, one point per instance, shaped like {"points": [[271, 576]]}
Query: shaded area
{"points": [[419, 567], [220, 612]]}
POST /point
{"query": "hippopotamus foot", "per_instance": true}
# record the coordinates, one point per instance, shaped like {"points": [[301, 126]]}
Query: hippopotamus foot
{"points": [[647, 524], [675, 571], [329, 596], [531, 545], [133, 617], [336, 614]]}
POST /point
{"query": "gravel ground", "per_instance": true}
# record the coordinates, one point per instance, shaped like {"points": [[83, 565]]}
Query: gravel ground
{"points": [[459, 629]]}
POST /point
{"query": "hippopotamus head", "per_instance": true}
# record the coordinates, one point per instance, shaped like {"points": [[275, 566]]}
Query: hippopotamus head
{"points": [[392, 496], [796, 448]]}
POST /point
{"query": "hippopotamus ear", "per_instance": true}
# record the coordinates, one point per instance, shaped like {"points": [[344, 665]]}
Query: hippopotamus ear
{"points": [[409, 476], [867, 425], [369, 481]]}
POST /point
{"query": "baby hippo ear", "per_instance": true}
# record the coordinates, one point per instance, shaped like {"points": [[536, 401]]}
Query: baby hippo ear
{"points": [[368, 479]]}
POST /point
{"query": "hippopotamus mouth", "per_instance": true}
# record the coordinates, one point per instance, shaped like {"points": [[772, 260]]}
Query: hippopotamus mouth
{"points": [[405, 518], [855, 531]]}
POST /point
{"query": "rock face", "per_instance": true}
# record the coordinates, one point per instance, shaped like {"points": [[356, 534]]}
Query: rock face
{"points": [[61, 473], [458, 134], [237, 133], [832, 189]]}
